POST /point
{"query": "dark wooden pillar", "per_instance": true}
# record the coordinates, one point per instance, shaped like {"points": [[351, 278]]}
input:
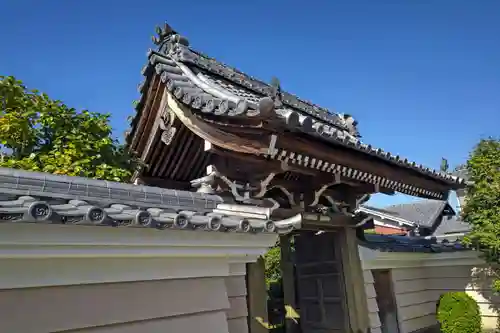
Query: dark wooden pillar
{"points": [[257, 297], [354, 281], [288, 275]]}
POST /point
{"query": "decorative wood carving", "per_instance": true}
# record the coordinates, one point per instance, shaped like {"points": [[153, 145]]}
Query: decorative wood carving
{"points": [[249, 193], [288, 194], [319, 193], [167, 126]]}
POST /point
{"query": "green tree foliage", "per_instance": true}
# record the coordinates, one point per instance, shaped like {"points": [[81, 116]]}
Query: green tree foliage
{"points": [[458, 313], [482, 207], [272, 262], [38, 133]]}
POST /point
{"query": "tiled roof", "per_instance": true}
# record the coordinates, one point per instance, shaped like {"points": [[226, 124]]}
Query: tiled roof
{"points": [[46, 198], [203, 84], [209, 87], [383, 212], [423, 212], [376, 209], [452, 225], [392, 243]]}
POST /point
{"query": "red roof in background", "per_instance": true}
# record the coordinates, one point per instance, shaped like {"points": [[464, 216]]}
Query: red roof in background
{"points": [[389, 231]]}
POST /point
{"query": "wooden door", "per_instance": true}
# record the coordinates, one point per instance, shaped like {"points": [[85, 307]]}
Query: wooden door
{"points": [[320, 285]]}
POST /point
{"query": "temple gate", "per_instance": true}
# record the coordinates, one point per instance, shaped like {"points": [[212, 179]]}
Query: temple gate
{"points": [[204, 126]]}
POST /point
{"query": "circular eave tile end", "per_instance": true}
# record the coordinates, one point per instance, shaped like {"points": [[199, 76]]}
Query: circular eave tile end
{"points": [[266, 106], [307, 124], [293, 120]]}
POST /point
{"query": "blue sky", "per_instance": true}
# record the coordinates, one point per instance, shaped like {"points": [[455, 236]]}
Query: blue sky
{"points": [[422, 77]]}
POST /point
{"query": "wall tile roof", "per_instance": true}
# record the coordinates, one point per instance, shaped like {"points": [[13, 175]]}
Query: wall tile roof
{"points": [[46, 198], [392, 243]]}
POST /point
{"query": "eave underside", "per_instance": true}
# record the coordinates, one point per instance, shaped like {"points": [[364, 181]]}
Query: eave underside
{"points": [[172, 140]]}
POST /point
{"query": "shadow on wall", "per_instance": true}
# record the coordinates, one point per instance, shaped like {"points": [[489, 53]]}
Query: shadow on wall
{"points": [[417, 290], [488, 301], [479, 287]]}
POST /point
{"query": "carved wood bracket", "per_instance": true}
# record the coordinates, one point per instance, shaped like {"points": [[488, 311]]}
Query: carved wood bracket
{"points": [[248, 193]]}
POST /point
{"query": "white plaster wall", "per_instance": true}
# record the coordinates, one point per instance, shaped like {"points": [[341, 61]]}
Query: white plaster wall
{"points": [[236, 292], [418, 283], [107, 280], [372, 301]]}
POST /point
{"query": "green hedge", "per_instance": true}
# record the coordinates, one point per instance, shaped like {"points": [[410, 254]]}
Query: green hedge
{"points": [[458, 313]]}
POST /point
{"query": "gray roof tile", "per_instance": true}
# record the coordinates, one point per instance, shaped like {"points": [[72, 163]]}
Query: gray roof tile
{"points": [[392, 243], [45, 198], [452, 225], [423, 212], [380, 210]]}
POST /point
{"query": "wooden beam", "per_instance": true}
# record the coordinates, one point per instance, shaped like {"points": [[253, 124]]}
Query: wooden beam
{"points": [[259, 163], [313, 221], [152, 115], [257, 297], [237, 125], [358, 160], [212, 133], [146, 152], [146, 109]]}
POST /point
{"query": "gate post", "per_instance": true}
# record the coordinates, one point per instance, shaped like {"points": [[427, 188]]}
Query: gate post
{"points": [[354, 281], [257, 297]]}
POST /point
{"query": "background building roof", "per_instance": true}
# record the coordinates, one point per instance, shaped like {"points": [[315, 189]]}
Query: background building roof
{"points": [[423, 212]]}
